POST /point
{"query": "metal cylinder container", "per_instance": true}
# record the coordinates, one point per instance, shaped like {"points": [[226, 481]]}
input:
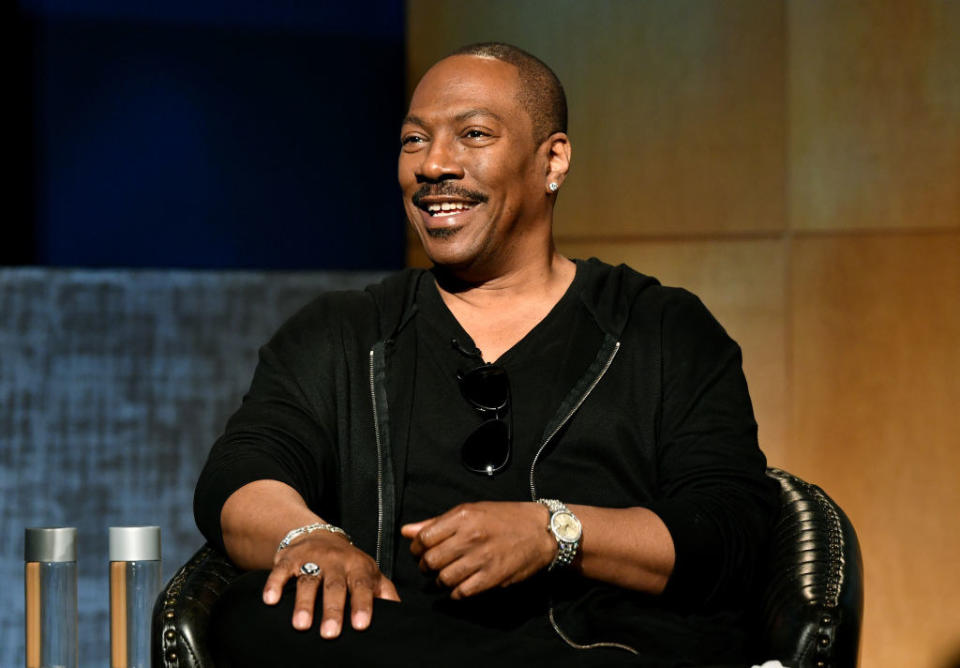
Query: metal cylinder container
{"points": [[50, 589], [134, 585]]}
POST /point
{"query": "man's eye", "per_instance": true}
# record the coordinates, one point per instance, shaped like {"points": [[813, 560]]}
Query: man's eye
{"points": [[476, 134], [413, 139]]}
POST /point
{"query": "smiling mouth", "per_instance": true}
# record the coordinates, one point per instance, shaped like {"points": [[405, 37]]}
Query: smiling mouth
{"points": [[446, 200], [443, 209]]}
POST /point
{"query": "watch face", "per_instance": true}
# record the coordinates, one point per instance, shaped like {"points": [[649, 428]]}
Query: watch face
{"points": [[566, 527]]}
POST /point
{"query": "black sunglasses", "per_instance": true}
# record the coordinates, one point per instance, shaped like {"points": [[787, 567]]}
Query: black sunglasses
{"points": [[487, 449]]}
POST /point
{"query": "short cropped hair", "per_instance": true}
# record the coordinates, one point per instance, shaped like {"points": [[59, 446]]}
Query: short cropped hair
{"points": [[541, 92]]}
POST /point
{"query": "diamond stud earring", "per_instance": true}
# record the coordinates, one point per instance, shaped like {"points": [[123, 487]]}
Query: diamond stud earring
{"points": [[553, 187]]}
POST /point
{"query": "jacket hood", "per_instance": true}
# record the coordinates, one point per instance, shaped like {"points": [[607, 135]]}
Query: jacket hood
{"points": [[611, 291], [395, 299]]}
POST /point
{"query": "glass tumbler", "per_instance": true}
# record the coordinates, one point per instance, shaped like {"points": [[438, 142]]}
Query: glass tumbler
{"points": [[134, 585], [50, 589]]}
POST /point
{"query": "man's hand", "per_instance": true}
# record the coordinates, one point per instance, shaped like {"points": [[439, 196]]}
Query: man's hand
{"points": [[478, 546], [344, 569]]}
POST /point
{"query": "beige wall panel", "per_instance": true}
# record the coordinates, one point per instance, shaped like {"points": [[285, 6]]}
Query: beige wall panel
{"points": [[874, 107], [677, 108], [876, 422], [743, 285]]}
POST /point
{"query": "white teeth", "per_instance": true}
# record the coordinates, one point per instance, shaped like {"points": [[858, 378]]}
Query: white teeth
{"points": [[448, 208]]}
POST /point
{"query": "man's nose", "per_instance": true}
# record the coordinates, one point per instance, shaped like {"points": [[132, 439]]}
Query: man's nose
{"points": [[440, 162]]}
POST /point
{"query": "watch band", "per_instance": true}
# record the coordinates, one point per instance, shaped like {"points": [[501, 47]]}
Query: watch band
{"points": [[566, 549]]}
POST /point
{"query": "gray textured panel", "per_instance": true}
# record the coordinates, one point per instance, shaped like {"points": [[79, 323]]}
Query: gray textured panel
{"points": [[113, 386]]}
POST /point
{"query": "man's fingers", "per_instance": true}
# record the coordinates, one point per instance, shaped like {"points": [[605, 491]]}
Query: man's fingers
{"points": [[444, 554], [361, 603], [454, 575], [343, 571], [430, 532], [414, 531], [411, 530], [307, 586], [334, 600], [275, 581], [474, 584], [386, 589]]}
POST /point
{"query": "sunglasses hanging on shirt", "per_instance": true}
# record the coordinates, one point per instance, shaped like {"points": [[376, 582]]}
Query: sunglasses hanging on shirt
{"points": [[487, 449]]}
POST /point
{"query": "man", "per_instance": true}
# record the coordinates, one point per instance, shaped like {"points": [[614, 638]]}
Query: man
{"points": [[516, 455]]}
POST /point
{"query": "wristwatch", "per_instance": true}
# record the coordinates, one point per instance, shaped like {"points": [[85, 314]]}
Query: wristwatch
{"points": [[566, 528]]}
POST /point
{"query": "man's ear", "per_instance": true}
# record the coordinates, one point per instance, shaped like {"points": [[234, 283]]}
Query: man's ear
{"points": [[558, 159]]}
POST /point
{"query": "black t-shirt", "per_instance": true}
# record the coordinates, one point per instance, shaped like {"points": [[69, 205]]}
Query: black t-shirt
{"points": [[541, 369]]}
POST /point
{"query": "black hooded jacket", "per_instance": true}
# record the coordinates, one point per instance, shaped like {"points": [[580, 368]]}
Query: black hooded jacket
{"points": [[664, 402]]}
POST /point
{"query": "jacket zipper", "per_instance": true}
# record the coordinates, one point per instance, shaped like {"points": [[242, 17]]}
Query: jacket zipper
{"points": [[533, 496], [566, 418], [376, 433]]}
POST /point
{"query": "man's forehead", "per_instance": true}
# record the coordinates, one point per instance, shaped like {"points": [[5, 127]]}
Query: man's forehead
{"points": [[480, 78], [463, 65]]}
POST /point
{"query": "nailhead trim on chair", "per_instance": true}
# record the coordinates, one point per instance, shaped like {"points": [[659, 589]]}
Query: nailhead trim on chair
{"points": [[191, 592], [828, 626], [821, 569], [169, 615], [837, 548]]}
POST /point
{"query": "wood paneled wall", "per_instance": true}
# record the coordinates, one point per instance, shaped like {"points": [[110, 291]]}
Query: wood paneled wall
{"points": [[797, 165]]}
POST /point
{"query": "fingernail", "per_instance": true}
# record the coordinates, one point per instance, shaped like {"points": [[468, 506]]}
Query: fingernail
{"points": [[361, 620], [270, 596], [329, 629], [301, 620]]}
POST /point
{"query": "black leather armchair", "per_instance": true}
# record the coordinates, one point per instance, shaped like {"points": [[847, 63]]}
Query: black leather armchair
{"points": [[810, 607]]}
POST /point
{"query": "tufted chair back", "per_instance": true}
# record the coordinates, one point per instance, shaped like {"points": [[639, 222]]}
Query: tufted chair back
{"points": [[812, 598]]}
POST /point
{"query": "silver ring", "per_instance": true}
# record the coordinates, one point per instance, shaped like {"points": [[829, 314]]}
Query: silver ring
{"points": [[309, 569]]}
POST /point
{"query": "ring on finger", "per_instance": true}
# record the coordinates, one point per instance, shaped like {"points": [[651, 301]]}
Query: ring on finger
{"points": [[310, 569]]}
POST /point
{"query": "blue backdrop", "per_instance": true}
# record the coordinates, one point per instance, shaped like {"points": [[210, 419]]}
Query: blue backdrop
{"points": [[211, 134], [113, 386], [180, 134]]}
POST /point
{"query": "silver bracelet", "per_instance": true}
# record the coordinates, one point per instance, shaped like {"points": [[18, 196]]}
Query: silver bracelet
{"points": [[310, 528]]}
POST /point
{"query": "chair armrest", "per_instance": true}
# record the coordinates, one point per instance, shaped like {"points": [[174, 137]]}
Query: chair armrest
{"points": [[181, 614], [812, 603]]}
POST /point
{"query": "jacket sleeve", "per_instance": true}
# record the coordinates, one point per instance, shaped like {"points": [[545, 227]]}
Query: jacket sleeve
{"points": [[715, 498], [282, 430]]}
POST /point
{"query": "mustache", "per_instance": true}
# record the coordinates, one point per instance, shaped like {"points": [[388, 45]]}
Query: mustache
{"points": [[447, 189]]}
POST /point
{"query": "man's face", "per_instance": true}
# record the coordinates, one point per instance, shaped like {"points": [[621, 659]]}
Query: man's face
{"points": [[471, 175]]}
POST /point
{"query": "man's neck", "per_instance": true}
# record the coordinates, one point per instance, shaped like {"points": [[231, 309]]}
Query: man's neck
{"points": [[541, 281], [499, 312]]}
